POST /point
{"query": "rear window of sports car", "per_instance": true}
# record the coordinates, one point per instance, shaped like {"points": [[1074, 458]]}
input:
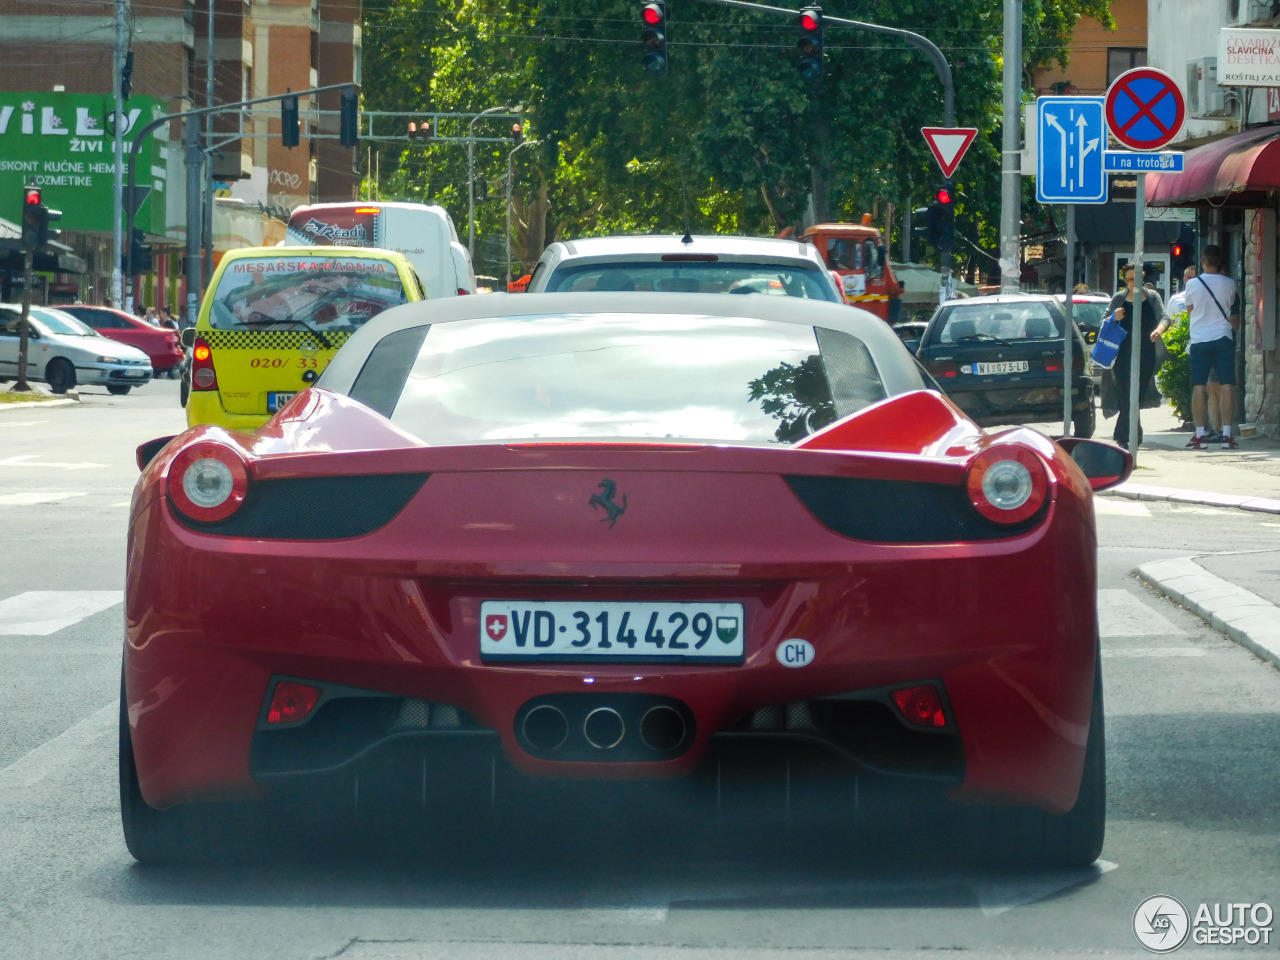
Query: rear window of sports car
{"points": [[667, 377]]}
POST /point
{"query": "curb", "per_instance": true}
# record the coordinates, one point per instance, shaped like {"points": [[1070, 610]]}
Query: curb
{"points": [[1245, 617], [1135, 491], [35, 404]]}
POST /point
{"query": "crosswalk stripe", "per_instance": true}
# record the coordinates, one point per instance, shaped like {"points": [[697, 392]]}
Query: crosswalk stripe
{"points": [[39, 613], [1135, 653], [31, 499], [1121, 614], [61, 751], [1120, 508]]}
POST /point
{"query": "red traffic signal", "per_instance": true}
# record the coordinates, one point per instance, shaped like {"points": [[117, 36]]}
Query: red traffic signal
{"points": [[653, 14], [31, 195], [1176, 250], [944, 196], [424, 132], [517, 132], [811, 19], [810, 43]]}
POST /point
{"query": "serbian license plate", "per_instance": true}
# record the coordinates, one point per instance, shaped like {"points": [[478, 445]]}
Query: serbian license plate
{"points": [[136, 374], [277, 400], [1004, 366], [570, 631]]}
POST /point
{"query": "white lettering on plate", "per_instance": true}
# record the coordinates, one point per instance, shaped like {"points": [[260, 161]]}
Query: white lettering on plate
{"points": [[795, 653]]}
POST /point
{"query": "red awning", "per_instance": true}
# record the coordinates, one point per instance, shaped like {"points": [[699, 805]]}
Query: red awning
{"points": [[1236, 171]]}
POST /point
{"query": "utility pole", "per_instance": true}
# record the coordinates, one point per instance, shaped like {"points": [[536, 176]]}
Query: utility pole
{"points": [[117, 219], [194, 157], [510, 191], [471, 173], [206, 235], [24, 324], [1011, 153]]}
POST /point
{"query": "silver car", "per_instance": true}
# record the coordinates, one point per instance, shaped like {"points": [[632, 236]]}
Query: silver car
{"points": [[63, 352], [671, 264]]}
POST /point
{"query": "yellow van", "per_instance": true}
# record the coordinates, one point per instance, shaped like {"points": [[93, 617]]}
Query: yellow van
{"points": [[272, 319]]}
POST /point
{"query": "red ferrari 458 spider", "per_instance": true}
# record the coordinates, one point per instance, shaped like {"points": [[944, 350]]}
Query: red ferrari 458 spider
{"points": [[685, 538]]}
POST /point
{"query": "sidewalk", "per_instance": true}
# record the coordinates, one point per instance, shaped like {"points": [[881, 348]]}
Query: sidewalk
{"points": [[1235, 593]]}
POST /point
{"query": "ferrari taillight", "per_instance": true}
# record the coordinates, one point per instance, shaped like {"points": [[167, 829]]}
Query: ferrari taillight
{"points": [[208, 481], [921, 706], [1007, 483], [203, 376], [292, 702]]}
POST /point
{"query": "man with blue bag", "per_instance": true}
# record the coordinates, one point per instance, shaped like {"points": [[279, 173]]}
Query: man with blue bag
{"points": [[1154, 324]]}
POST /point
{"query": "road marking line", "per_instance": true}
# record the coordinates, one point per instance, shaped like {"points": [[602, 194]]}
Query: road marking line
{"points": [[1121, 614], [1133, 653], [1121, 508], [122, 503], [30, 499], [61, 751], [26, 460], [39, 613]]}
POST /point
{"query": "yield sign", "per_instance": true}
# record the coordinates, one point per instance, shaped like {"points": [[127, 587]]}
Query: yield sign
{"points": [[949, 145], [1145, 109]]}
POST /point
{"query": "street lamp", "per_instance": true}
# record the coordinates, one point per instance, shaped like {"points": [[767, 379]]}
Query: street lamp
{"points": [[471, 173], [510, 189]]}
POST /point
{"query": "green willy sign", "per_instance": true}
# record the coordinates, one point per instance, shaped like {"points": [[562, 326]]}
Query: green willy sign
{"points": [[64, 143]]}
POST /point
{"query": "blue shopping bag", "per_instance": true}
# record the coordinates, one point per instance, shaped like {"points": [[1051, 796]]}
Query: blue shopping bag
{"points": [[1110, 336]]}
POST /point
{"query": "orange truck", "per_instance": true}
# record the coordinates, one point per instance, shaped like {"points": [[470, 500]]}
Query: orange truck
{"points": [[856, 254]]}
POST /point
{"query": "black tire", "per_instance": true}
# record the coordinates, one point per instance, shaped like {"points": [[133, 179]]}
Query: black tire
{"points": [[152, 836], [60, 375], [1021, 836], [118, 389], [1084, 422]]}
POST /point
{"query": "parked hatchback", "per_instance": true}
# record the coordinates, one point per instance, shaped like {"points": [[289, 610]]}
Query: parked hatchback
{"points": [[159, 344], [63, 352], [1000, 359]]}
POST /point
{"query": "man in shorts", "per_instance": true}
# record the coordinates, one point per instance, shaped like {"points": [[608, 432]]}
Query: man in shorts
{"points": [[1210, 300]]}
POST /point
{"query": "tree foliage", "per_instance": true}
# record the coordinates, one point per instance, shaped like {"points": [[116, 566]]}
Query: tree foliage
{"points": [[731, 139]]}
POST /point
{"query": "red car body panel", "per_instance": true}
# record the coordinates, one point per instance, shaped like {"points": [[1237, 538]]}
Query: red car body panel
{"points": [[1007, 625], [159, 344]]}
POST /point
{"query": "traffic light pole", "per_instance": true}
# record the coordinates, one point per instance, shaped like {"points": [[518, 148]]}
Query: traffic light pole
{"points": [[141, 135], [24, 327], [471, 173]]}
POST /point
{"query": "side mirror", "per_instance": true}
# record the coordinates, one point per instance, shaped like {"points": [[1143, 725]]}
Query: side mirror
{"points": [[147, 451], [188, 337], [1105, 464]]}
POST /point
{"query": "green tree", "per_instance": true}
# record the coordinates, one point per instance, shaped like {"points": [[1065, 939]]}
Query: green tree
{"points": [[730, 139]]}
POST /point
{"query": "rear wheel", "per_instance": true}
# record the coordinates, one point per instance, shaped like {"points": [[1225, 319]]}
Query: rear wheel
{"points": [[1034, 838], [1084, 422], [60, 375], [118, 390]]}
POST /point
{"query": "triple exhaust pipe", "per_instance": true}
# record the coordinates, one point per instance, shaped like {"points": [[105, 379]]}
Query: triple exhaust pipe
{"points": [[628, 728]]}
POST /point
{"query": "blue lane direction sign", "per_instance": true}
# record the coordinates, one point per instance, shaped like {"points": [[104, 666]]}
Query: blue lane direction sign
{"points": [[1072, 138], [1122, 161]]}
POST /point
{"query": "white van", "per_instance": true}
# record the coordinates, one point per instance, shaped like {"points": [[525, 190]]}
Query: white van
{"points": [[425, 234]]}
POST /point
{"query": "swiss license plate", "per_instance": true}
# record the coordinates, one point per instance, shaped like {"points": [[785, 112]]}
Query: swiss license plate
{"points": [[1004, 366], [277, 400], [571, 631]]}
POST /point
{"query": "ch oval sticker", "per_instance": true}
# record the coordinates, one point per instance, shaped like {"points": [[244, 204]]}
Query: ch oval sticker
{"points": [[795, 653]]}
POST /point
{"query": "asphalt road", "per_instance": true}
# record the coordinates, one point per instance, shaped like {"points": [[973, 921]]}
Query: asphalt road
{"points": [[1193, 736]]}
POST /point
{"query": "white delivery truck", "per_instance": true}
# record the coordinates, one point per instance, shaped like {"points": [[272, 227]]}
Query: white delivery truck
{"points": [[424, 233]]}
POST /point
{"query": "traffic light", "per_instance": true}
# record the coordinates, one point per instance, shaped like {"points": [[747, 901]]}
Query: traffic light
{"points": [[47, 216], [654, 37], [289, 126], [943, 212], [811, 43], [423, 131], [517, 133], [139, 252], [31, 207], [349, 123], [480, 189], [1183, 250]]}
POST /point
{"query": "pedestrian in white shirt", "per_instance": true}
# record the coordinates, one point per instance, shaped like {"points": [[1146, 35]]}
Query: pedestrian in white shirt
{"points": [[1177, 305], [1210, 300]]}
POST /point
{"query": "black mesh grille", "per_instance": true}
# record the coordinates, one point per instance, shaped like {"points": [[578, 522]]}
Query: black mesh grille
{"points": [[317, 508], [896, 511]]}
